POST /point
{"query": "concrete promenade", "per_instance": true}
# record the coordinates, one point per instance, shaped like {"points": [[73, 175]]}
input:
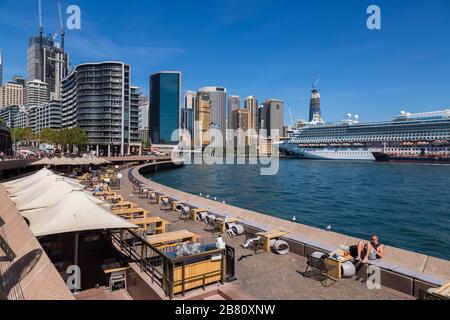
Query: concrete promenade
{"points": [[403, 270]]}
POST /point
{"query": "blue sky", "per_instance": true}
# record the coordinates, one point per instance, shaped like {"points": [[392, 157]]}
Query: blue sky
{"points": [[271, 49]]}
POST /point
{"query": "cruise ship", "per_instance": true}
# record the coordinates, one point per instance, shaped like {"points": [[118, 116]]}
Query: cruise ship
{"points": [[407, 137]]}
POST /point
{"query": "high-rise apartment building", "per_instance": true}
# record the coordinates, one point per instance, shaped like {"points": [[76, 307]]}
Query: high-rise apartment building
{"points": [[8, 114], [165, 106], [98, 98], [49, 65], [36, 93], [11, 94], [48, 115], [273, 116], [240, 119], [218, 98]]}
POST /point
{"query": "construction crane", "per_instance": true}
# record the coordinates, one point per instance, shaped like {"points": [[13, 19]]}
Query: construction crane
{"points": [[316, 83], [41, 32], [63, 32]]}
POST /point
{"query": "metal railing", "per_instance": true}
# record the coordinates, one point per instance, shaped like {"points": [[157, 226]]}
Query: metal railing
{"points": [[159, 267]]}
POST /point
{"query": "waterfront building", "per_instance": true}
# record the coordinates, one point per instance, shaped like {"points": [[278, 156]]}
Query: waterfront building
{"points": [[36, 93], [272, 114], [144, 110], [48, 115], [218, 98], [202, 118], [11, 94], [165, 106], [49, 65], [22, 118], [234, 103], [315, 114], [98, 98], [251, 104], [8, 114]]}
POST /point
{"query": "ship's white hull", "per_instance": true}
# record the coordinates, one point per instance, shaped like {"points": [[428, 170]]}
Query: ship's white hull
{"points": [[327, 153]]}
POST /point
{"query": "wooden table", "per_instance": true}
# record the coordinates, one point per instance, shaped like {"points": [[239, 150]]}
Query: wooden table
{"points": [[124, 205], [116, 198], [131, 213], [196, 211], [223, 223], [161, 197], [105, 193], [443, 291], [160, 223], [175, 203], [274, 234], [337, 271], [172, 238], [114, 267]]}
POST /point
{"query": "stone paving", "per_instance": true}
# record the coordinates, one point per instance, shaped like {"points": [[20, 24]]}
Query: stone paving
{"points": [[267, 275]]}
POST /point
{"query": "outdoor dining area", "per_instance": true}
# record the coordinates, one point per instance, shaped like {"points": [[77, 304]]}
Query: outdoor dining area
{"points": [[84, 225]]}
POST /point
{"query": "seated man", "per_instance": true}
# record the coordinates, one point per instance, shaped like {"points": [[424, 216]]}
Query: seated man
{"points": [[370, 251]]}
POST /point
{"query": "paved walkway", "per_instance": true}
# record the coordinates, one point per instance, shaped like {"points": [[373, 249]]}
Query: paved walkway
{"points": [[267, 275]]}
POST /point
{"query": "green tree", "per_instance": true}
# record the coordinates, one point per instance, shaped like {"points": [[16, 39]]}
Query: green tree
{"points": [[2, 121], [48, 135]]}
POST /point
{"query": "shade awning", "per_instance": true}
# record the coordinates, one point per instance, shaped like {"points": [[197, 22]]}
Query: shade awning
{"points": [[74, 213], [27, 180], [47, 196]]}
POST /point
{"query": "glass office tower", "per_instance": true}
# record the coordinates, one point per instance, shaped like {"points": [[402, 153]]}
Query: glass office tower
{"points": [[165, 106]]}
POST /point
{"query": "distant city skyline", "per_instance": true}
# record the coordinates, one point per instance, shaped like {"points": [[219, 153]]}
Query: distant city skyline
{"points": [[374, 74]]}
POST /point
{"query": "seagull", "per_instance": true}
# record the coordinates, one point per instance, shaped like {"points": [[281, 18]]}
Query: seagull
{"points": [[201, 195], [207, 196], [294, 218], [329, 227], [215, 198]]}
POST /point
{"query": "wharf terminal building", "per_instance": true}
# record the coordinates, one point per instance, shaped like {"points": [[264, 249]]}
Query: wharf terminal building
{"points": [[99, 99]]}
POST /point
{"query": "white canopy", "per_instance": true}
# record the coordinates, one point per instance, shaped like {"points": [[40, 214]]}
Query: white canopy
{"points": [[45, 197], [43, 161], [40, 180], [75, 212], [29, 179]]}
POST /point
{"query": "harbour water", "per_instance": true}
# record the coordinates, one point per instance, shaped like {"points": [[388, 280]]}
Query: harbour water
{"points": [[408, 205]]}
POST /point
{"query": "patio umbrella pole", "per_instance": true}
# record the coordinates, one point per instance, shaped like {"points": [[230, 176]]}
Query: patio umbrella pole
{"points": [[76, 249]]}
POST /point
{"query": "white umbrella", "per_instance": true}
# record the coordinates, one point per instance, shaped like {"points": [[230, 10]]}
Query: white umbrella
{"points": [[29, 179], [75, 213], [47, 197], [43, 162], [41, 180]]}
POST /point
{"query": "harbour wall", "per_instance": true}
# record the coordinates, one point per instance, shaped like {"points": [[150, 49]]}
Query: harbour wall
{"points": [[401, 270]]}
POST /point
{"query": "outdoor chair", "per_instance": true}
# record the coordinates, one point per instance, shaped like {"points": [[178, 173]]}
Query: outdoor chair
{"points": [[165, 204], [319, 271], [119, 277], [153, 197], [185, 213], [211, 223], [253, 242]]}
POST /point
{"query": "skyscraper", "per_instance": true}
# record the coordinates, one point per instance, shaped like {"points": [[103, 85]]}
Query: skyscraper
{"points": [[50, 65], [234, 103], [273, 111], [251, 104], [98, 98], [165, 106], [314, 105], [202, 125], [218, 98], [36, 93], [1, 67]]}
